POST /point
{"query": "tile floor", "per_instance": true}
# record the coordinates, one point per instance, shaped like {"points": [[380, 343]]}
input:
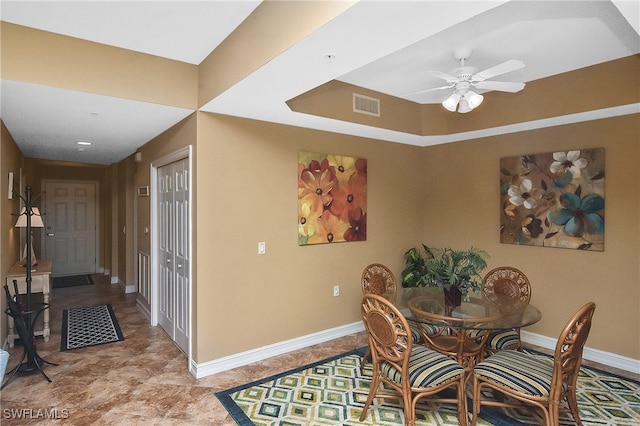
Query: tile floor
{"points": [[143, 380]]}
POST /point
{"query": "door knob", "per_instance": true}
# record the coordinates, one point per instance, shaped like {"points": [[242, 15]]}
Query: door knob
{"points": [[50, 234]]}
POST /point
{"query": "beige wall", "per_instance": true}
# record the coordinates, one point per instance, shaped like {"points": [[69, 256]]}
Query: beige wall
{"points": [[244, 192], [179, 136], [36, 170], [125, 224], [40, 57], [586, 89], [578, 91], [273, 27], [11, 160], [461, 192], [442, 195], [247, 192], [334, 99]]}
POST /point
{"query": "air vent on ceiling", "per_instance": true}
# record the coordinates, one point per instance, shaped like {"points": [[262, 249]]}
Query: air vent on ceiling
{"points": [[366, 105]]}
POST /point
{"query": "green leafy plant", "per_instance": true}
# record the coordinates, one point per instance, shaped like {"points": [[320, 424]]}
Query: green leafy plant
{"points": [[444, 267]]}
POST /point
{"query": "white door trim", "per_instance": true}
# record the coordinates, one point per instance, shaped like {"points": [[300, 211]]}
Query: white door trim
{"points": [[154, 302]]}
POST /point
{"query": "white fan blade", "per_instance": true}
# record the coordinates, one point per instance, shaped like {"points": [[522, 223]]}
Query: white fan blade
{"points": [[502, 86], [503, 68], [430, 90], [442, 75]]}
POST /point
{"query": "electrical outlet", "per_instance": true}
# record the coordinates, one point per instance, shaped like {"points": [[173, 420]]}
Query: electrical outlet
{"points": [[336, 290]]}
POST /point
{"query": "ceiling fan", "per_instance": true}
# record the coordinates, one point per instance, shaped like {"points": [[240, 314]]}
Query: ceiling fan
{"points": [[463, 98]]}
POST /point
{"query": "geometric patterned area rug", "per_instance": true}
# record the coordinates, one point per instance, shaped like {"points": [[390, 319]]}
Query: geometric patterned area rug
{"points": [[333, 392], [72, 281], [89, 326]]}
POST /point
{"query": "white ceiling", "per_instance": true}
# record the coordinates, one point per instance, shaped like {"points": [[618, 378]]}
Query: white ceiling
{"points": [[382, 45]]}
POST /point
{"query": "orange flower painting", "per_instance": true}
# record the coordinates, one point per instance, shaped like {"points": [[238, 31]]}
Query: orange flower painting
{"points": [[332, 198]]}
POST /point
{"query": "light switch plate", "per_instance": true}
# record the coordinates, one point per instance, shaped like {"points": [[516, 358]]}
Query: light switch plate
{"points": [[10, 192], [262, 247]]}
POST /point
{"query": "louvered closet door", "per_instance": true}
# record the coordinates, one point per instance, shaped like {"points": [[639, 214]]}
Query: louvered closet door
{"points": [[174, 274]]}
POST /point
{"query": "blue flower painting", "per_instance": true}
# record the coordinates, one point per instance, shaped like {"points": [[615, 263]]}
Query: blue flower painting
{"points": [[554, 199]]}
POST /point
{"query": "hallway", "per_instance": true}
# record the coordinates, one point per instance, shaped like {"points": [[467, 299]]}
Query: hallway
{"points": [[142, 380]]}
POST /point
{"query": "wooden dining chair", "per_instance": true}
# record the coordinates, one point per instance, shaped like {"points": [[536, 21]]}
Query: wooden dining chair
{"points": [[403, 369], [535, 380], [378, 279], [509, 289]]}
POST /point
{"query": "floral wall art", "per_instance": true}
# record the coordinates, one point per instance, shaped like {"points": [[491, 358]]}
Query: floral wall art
{"points": [[553, 199], [332, 198]]}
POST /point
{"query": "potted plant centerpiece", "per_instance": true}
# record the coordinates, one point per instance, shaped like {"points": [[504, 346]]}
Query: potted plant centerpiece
{"points": [[455, 271]]}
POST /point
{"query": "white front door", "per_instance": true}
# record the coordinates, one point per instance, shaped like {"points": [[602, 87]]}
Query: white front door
{"points": [[173, 250], [70, 226]]}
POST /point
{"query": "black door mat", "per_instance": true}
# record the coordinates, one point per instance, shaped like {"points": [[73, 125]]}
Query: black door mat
{"points": [[72, 281]]}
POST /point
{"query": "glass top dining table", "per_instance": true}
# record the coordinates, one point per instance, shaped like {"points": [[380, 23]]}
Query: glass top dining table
{"points": [[427, 305], [461, 331]]}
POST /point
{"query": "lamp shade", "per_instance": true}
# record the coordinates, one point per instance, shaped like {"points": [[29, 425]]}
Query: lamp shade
{"points": [[464, 107], [463, 100], [36, 219], [473, 99], [451, 103]]}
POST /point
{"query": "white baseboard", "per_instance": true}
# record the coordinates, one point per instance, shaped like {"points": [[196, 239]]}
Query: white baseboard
{"points": [[123, 285], [144, 309], [238, 360], [244, 358], [595, 355]]}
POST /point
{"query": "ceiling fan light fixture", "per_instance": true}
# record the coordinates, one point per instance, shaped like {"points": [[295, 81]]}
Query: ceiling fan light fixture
{"points": [[465, 77], [473, 99], [451, 103], [464, 107]]}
